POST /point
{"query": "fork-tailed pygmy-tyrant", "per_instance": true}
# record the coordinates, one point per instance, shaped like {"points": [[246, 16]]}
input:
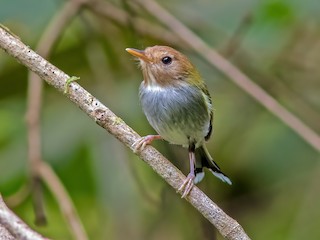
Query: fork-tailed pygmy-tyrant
{"points": [[178, 106]]}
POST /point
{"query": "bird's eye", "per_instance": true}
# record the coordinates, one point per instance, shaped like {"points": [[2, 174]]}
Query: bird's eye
{"points": [[166, 60]]}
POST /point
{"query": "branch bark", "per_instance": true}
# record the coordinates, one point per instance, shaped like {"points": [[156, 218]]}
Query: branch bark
{"points": [[227, 226], [12, 227]]}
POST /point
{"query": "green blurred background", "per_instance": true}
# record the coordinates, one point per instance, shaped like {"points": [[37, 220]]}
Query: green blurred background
{"points": [[275, 192]]}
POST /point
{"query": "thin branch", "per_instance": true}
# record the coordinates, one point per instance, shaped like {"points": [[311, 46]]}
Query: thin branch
{"points": [[108, 10], [232, 72], [19, 196], [16, 228], [227, 226], [63, 199], [45, 46], [236, 39]]}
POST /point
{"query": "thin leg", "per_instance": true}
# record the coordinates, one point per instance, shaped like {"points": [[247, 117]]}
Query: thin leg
{"points": [[188, 182], [142, 142]]}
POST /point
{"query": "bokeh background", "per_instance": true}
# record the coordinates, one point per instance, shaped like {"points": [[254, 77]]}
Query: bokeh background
{"points": [[276, 174]]}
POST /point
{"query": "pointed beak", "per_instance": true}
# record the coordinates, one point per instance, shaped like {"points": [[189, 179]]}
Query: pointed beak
{"points": [[139, 54]]}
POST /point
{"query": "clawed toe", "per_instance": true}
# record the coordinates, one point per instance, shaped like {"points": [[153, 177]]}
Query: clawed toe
{"points": [[187, 185], [140, 144]]}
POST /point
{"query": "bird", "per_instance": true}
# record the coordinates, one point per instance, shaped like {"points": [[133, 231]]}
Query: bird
{"points": [[177, 104]]}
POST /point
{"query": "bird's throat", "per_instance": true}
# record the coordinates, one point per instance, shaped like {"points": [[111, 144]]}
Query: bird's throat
{"points": [[151, 82]]}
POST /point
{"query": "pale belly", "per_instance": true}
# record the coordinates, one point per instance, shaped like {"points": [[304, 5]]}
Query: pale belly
{"points": [[180, 116]]}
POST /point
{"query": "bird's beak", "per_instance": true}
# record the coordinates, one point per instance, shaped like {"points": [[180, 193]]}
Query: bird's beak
{"points": [[139, 54]]}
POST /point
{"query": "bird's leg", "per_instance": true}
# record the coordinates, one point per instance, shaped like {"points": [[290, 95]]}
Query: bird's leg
{"points": [[142, 142], [188, 182]]}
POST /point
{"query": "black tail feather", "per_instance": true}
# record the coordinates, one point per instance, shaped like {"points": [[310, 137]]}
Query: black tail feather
{"points": [[205, 160]]}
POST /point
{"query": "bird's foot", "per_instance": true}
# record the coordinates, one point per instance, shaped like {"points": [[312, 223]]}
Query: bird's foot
{"points": [[142, 142], [187, 185]]}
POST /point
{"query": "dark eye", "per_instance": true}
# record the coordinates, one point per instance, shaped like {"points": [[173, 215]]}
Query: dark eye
{"points": [[166, 60]]}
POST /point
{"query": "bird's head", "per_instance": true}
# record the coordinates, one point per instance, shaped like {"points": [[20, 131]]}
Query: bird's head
{"points": [[164, 66]]}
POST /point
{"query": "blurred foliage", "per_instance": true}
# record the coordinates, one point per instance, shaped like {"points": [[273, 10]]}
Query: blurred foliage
{"points": [[275, 173]]}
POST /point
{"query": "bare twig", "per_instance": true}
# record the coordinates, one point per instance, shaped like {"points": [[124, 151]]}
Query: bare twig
{"points": [[108, 10], [63, 199], [19, 196], [44, 48], [232, 72], [235, 41], [16, 228], [228, 227]]}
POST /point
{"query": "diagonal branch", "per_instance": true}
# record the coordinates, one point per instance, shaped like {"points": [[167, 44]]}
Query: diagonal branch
{"points": [[227, 226], [232, 72]]}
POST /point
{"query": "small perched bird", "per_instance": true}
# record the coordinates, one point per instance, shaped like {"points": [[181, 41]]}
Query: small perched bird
{"points": [[178, 106]]}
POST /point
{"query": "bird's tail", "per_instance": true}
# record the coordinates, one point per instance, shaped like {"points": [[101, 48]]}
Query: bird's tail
{"points": [[205, 160]]}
